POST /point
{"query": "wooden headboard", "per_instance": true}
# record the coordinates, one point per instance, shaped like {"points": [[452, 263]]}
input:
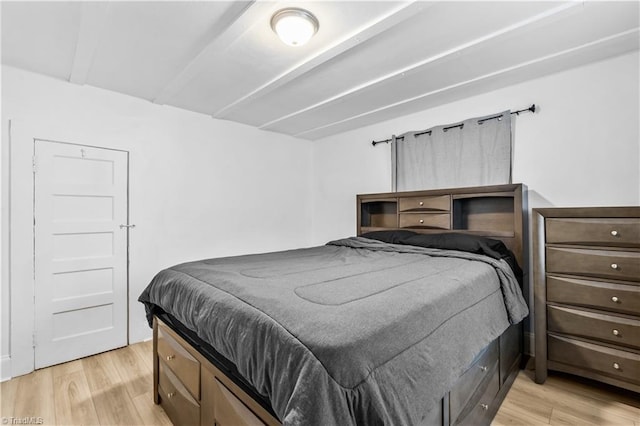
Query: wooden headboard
{"points": [[493, 211]]}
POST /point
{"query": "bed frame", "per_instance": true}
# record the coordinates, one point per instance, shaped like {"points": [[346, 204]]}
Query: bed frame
{"points": [[194, 389]]}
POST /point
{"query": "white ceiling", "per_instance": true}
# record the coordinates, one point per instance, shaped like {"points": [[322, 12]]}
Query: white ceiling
{"points": [[370, 61]]}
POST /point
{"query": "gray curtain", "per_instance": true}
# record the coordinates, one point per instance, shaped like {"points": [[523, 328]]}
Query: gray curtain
{"points": [[475, 152]]}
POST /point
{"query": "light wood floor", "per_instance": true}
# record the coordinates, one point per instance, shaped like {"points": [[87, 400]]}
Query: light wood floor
{"points": [[112, 388], [115, 388], [566, 400]]}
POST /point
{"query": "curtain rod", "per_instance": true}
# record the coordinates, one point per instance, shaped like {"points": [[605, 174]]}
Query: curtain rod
{"points": [[532, 108]]}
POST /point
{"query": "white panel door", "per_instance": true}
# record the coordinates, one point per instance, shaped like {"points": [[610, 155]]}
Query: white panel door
{"points": [[80, 251]]}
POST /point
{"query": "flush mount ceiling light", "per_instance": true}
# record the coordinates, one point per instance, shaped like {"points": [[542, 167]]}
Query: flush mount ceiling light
{"points": [[294, 26]]}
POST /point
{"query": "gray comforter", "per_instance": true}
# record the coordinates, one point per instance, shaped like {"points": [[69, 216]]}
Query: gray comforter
{"points": [[356, 331]]}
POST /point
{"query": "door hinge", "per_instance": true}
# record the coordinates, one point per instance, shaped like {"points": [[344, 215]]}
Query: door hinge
{"points": [[33, 337], [34, 163]]}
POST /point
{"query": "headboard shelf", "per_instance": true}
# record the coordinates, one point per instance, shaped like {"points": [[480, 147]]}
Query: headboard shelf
{"points": [[381, 213], [486, 194], [480, 213], [493, 211]]}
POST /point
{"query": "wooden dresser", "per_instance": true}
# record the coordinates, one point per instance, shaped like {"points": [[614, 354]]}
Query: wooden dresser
{"points": [[586, 269]]}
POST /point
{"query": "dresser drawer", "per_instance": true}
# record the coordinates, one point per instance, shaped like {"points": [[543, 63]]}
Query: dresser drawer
{"points": [[616, 363], [442, 202], [424, 220], [176, 400], [598, 294], [621, 265], [230, 410], [620, 232], [599, 326], [480, 407], [179, 360], [471, 380]]}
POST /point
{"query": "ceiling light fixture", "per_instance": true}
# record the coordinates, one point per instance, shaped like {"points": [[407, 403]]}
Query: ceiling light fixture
{"points": [[294, 26]]}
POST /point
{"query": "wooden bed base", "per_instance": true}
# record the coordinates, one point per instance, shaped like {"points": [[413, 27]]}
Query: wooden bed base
{"points": [[193, 391]]}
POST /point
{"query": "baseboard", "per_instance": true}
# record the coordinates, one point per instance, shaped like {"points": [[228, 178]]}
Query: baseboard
{"points": [[529, 343], [5, 368]]}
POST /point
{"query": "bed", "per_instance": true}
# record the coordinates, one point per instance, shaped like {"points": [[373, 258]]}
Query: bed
{"points": [[406, 323]]}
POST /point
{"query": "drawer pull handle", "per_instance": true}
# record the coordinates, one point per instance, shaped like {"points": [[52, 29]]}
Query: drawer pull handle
{"points": [[616, 366], [170, 357], [483, 368], [421, 220], [614, 266], [614, 233], [485, 406], [615, 332], [615, 299], [421, 203], [171, 394]]}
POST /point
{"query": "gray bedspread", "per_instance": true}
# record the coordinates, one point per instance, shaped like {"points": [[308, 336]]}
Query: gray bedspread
{"points": [[354, 332]]}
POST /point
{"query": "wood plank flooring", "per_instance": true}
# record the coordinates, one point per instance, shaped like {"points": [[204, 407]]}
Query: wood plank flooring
{"points": [[566, 400], [115, 388], [112, 388]]}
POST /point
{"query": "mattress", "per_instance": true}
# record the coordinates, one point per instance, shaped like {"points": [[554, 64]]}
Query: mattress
{"points": [[356, 331]]}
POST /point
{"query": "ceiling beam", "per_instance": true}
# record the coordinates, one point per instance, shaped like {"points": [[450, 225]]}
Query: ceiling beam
{"points": [[632, 34], [237, 20], [360, 35], [440, 56], [93, 17]]}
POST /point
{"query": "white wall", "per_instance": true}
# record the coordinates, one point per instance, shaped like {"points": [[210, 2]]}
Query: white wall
{"points": [[202, 187], [581, 149], [199, 187]]}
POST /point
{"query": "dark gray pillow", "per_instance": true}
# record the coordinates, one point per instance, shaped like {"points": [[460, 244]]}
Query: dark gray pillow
{"points": [[451, 241], [391, 237], [469, 243]]}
